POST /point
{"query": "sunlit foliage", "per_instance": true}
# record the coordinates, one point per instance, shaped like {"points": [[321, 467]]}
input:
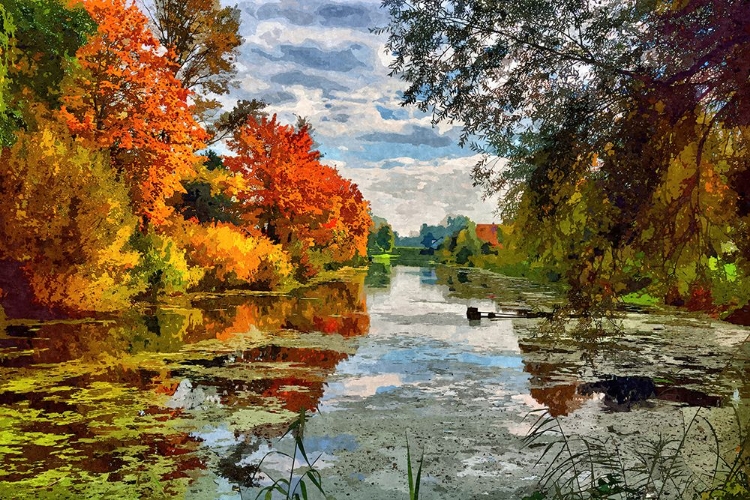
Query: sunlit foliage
{"points": [[67, 220], [230, 257], [108, 194], [293, 199]]}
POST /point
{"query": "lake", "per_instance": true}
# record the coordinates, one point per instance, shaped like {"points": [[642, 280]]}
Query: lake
{"points": [[184, 399]]}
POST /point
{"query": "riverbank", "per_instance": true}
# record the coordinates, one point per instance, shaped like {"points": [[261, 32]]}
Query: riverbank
{"points": [[519, 268]]}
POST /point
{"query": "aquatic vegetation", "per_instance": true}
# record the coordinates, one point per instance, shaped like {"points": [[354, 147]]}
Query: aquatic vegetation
{"points": [[288, 487], [122, 407], [656, 468]]}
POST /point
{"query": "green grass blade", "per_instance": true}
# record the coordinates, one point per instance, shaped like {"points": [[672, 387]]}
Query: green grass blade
{"points": [[408, 470], [419, 478]]}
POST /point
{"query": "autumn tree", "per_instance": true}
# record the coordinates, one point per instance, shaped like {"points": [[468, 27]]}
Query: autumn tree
{"points": [[344, 234], [204, 39], [292, 198], [125, 98], [229, 257], [619, 120]]}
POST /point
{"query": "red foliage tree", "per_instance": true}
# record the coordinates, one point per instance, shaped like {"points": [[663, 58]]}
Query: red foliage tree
{"points": [[291, 197], [126, 98]]}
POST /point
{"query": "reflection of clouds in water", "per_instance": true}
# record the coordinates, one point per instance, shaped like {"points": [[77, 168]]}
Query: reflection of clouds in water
{"points": [[281, 463], [486, 466], [190, 397], [360, 387], [217, 437], [425, 310], [416, 332], [368, 386]]}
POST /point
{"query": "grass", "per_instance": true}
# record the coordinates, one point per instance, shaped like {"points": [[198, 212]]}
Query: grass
{"points": [[413, 482], [583, 468], [288, 487]]}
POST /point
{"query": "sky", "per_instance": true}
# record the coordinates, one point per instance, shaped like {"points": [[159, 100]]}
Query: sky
{"points": [[318, 59]]}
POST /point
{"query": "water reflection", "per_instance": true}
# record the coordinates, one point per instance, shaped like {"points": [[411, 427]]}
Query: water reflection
{"points": [[95, 408], [668, 356], [175, 400], [686, 366], [378, 274]]}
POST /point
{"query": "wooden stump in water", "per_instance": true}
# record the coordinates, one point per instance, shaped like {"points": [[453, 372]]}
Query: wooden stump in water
{"points": [[473, 314]]}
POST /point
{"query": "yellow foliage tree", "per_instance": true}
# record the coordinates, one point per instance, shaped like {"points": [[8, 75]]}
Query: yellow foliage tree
{"points": [[66, 220], [230, 256]]}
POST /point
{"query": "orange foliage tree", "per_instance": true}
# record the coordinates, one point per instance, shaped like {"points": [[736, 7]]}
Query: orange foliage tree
{"points": [[292, 198], [125, 98]]}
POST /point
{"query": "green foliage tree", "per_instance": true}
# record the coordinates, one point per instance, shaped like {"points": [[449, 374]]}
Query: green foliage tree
{"points": [[381, 239], [7, 39], [431, 236], [466, 245], [385, 238], [619, 120], [38, 39]]}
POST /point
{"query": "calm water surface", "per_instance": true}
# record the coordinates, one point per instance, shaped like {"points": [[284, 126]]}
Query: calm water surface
{"points": [[184, 400]]}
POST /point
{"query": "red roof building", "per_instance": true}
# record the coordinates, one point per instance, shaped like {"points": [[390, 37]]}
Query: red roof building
{"points": [[488, 233]]}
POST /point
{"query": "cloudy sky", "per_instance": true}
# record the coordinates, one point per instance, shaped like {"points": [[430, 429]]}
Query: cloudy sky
{"points": [[318, 59]]}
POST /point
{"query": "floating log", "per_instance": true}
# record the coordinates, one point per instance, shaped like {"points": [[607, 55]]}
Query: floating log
{"points": [[474, 314]]}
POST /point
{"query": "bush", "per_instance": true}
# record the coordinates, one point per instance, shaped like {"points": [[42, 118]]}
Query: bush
{"points": [[66, 220], [163, 265], [230, 257]]}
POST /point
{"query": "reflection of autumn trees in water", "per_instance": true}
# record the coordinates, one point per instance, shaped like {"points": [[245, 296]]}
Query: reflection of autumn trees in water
{"points": [[560, 398], [337, 307], [560, 382], [334, 308], [96, 402]]}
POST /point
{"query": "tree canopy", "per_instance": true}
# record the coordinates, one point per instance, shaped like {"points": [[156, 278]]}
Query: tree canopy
{"points": [[126, 99], [624, 126], [38, 39], [293, 199], [204, 39], [108, 194]]}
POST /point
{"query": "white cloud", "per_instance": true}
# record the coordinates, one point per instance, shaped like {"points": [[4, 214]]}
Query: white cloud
{"points": [[422, 191], [347, 107]]}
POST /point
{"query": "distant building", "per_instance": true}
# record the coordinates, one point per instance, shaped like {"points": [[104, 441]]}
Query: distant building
{"points": [[488, 233]]}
